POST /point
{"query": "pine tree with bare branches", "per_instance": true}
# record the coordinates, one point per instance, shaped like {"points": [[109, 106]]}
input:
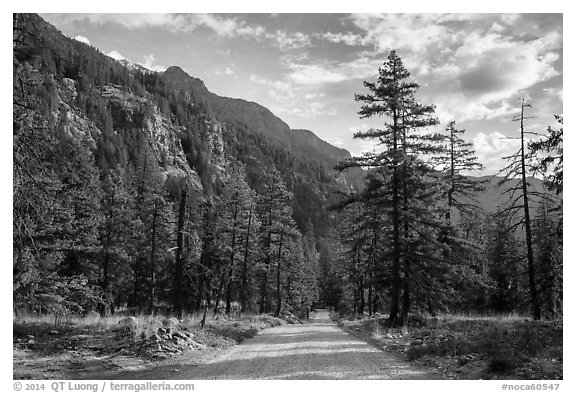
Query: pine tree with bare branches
{"points": [[519, 196]]}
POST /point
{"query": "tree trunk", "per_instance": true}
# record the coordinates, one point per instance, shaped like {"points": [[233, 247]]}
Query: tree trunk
{"points": [[395, 296], [219, 293], [361, 295], [264, 283], [371, 274], [370, 300], [278, 289], [536, 313], [179, 265], [406, 293], [106, 269], [152, 287], [244, 276], [231, 264]]}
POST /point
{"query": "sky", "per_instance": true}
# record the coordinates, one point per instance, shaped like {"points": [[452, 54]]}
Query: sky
{"points": [[306, 68]]}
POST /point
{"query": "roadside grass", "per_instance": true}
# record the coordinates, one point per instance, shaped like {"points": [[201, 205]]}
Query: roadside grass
{"points": [[471, 346], [143, 325], [92, 345], [145, 337]]}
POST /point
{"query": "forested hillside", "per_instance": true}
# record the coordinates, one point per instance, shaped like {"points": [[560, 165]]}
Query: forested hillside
{"points": [[134, 188], [143, 190]]}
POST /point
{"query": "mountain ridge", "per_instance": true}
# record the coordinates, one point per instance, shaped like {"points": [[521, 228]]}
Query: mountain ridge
{"points": [[260, 119]]}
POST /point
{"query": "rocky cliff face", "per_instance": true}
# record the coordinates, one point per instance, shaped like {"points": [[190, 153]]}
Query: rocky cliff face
{"points": [[162, 133], [71, 121]]}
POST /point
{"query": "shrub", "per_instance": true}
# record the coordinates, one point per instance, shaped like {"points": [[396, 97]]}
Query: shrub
{"points": [[501, 364]]}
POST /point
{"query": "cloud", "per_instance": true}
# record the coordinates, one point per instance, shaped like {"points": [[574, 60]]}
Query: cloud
{"points": [[229, 71], [348, 38], [487, 70], [490, 148], [557, 92], [466, 65], [305, 73], [116, 55], [309, 110], [277, 84], [509, 19], [311, 74], [279, 90], [311, 96], [222, 26], [83, 39], [285, 41], [395, 31], [131, 21], [150, 63]]}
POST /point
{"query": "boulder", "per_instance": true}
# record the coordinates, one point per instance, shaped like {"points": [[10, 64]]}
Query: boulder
{"points": [[180, 335]]}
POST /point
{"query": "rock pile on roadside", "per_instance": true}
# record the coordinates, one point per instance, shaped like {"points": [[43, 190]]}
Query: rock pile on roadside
{"points": [[154, 341]]}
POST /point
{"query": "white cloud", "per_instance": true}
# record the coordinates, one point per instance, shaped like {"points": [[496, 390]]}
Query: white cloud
{"points": [[312, 74], [312, 96], [150, 63], [279, 85], [363, 67], [116, 55], [346, 38], [555, 92], [229, 71], [313, 109], [509, 19], [490, 148], [497, 27], [396, 31], [83, 39], [225, 27], [467, 74], [487, 70], [131, 21], [285, 41], [279, 90]]}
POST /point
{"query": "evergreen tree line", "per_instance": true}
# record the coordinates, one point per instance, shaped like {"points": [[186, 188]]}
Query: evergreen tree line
{"points": [[99, 220], [415, 239]]}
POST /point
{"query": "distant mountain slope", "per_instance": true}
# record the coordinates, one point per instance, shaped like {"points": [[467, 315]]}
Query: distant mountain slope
{"points": [[260, 119], [306, 142], [493, 198]]}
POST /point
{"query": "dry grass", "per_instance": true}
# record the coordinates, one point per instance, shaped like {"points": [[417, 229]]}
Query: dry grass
{"points": [[494, 344], [234, 327]]}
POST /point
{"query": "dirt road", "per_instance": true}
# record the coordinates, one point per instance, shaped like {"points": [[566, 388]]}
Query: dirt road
{"points": [[319, 350]]}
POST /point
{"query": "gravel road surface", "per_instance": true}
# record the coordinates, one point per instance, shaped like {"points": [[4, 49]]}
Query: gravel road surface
{"points": [[318, 350]]}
